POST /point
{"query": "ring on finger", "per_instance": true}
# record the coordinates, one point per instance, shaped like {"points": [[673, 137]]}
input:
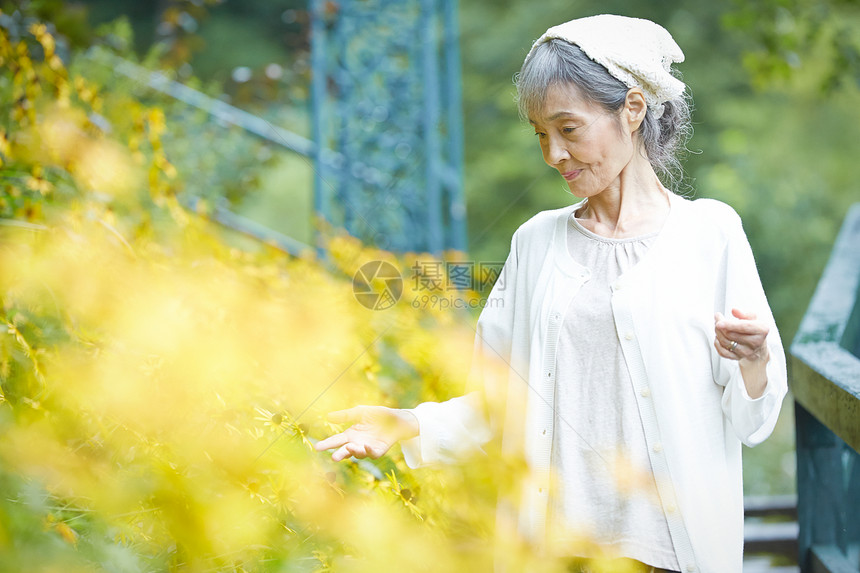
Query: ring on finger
{"points": [[733, 345]]}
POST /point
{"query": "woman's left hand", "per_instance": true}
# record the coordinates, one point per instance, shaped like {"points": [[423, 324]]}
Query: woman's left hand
{"points": [[742, 338]]}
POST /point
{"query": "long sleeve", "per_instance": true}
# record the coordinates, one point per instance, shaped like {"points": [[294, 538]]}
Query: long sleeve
{"points": [[452, 430], [752, 419]]}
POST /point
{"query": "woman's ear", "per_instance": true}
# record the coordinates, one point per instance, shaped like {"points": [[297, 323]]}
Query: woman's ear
{"points": [[635, 108]]}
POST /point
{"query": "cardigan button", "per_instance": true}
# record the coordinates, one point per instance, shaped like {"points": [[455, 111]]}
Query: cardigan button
{"points": [[672, 508], [628, 336], [691, 568], [646, 391], [658, 447]]}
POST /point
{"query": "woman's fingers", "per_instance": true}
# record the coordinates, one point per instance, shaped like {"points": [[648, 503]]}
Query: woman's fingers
{"points": [[750, 341], [739, 331], [341, 454], [737, 313], [345, 447], [734, 352], [350, 449], [740, 327], [722, 351], [334, 441], [357, 451], [343, 440], [740, 337], [374, 429], [352, 443]]}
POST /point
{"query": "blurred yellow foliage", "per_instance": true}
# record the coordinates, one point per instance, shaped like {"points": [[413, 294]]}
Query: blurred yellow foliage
{"points": [[161, 390]]}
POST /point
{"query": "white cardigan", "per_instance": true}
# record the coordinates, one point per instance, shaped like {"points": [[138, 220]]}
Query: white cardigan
{"points": [[694, 406]]}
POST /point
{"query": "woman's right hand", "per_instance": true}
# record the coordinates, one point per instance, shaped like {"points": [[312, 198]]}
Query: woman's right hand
{"points": [[374, 430]]}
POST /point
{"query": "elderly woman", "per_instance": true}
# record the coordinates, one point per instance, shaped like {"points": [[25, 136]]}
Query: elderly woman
{"points": [[639, 351]]}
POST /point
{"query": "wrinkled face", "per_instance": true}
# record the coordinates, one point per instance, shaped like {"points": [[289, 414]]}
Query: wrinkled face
{"points": [[588, 145]]}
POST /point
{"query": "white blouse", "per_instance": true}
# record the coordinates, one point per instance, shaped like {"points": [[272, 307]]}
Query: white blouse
{"points": [[606, 491]]}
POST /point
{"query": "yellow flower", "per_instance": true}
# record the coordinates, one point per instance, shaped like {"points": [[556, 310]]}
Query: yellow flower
{"points": [[43, 186]]}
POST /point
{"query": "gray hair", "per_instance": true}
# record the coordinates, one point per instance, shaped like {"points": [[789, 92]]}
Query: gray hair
{"points": [[557, 62]]}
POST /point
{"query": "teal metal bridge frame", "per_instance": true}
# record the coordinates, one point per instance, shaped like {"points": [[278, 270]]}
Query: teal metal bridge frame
{"points": [[386, 98], [387, 147], [825, 381]]}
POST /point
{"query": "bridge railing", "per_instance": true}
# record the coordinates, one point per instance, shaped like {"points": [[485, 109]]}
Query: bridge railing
{"points": [[825, 382]]}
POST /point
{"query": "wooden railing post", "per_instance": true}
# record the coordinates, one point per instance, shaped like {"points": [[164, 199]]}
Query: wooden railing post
{"points": [[825, 382]]}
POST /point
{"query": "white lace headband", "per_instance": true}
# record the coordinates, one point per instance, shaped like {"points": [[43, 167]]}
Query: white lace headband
{"points": [[637, 52]]}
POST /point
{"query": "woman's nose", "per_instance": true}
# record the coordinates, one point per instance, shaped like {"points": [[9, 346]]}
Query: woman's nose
{"points": [[555, 151]]}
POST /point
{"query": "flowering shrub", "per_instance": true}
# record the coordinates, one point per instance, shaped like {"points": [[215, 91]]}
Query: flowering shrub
{"points": [[161, 390]]}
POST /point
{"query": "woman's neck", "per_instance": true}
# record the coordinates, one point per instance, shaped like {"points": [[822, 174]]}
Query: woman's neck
{"points": [[636, 204]]}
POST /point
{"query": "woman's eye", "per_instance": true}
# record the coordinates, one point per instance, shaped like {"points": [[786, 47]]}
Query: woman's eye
{"points": [[568, 130], [540, 134]]}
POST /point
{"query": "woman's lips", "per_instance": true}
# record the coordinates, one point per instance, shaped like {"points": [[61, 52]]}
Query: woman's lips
{"points": [[571, 175]]}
